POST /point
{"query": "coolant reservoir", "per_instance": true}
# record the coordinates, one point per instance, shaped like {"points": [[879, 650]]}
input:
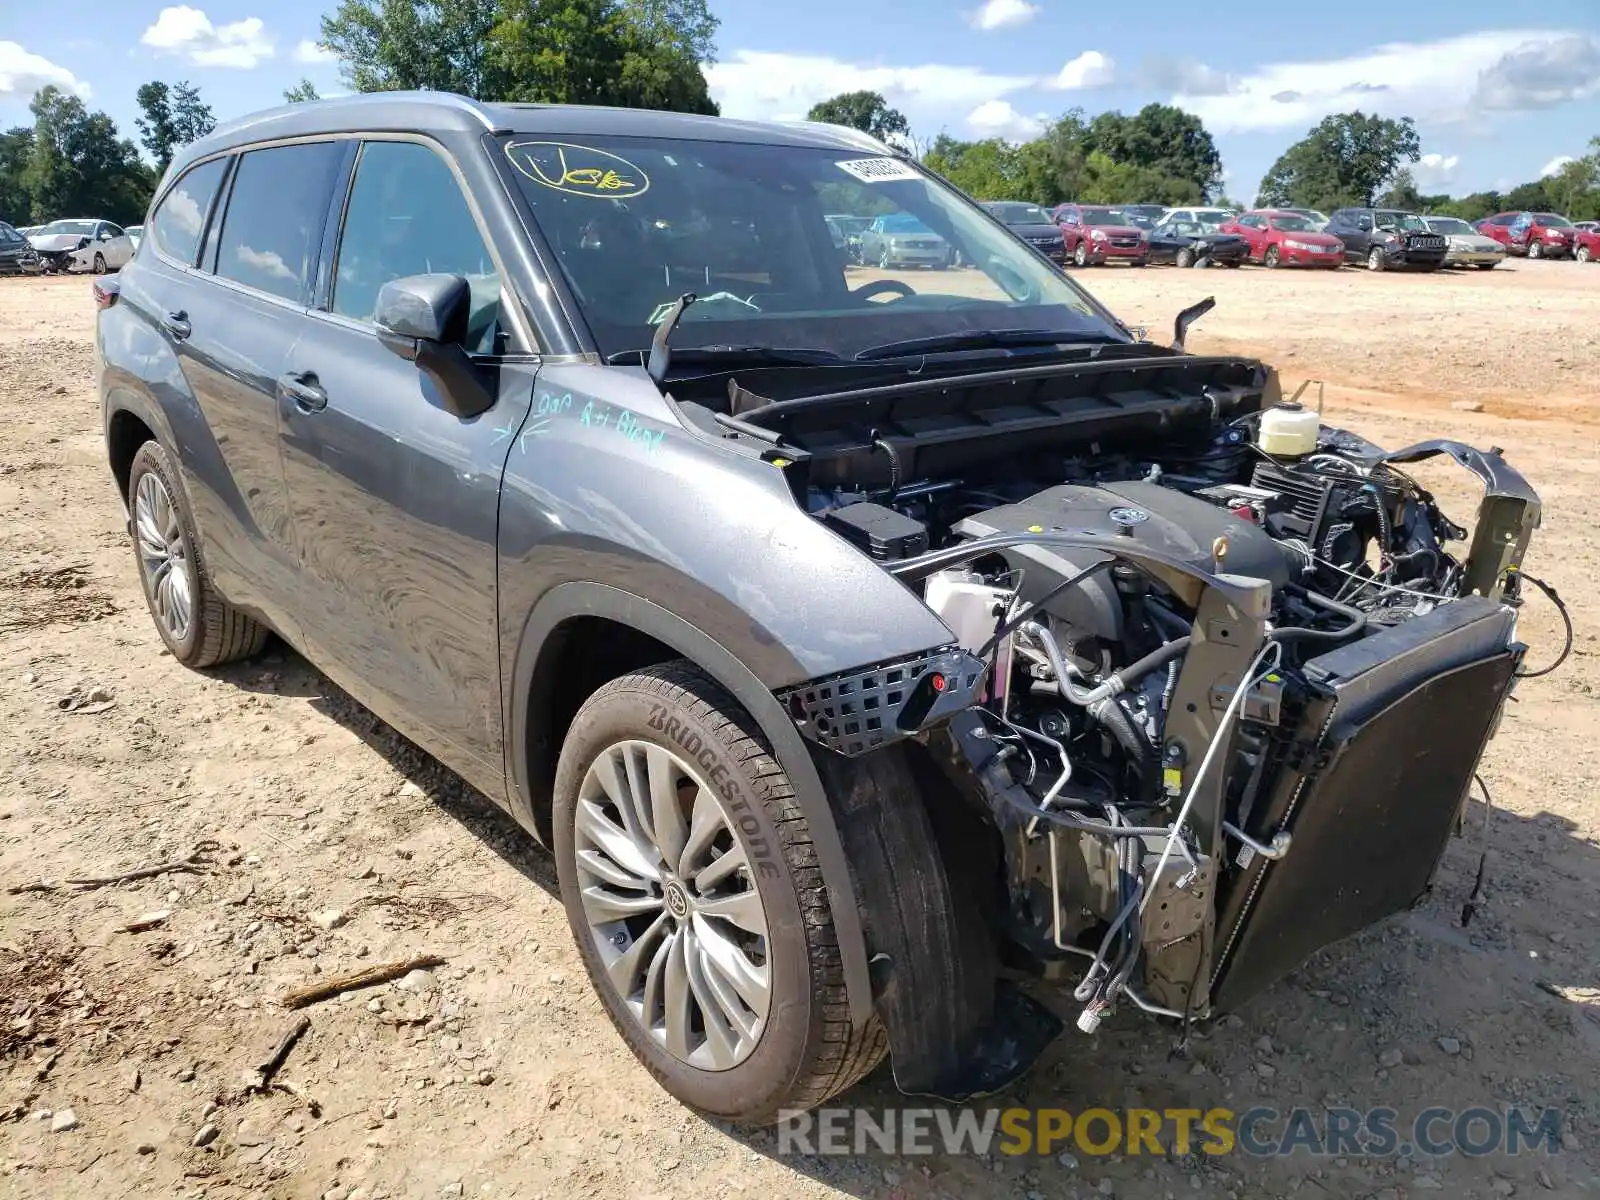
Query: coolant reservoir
{"points": [[1289, 430]]}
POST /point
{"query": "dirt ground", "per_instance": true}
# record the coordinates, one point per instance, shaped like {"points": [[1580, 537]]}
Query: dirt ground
{"points": [[327, 843]]}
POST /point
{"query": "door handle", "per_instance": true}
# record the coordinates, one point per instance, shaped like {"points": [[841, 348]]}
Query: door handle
{"points": [[302, 387], [177, 324]]}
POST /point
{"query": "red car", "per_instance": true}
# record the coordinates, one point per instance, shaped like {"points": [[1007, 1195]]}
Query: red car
{"points": [[1535, 234], [1587, 236], [1285, 239], [1097, 235]]}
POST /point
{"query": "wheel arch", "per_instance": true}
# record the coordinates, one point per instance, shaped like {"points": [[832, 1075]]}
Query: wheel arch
{"points": [[131, 419], [573, 619]]}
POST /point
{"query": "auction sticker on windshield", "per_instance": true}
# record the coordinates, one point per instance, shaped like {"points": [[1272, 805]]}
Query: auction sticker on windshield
{"points": [[578, 170], [878, 170]]}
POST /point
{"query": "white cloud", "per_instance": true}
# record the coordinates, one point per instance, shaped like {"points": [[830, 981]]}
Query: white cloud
{"points": [[1542, 72], [1183, 75], [999, 14], [762, 85], [308, 51], [188, 32], [1433, 171], [23, 73], [1091, 69], [1440, 81], [1554, 165], [997, 118]]}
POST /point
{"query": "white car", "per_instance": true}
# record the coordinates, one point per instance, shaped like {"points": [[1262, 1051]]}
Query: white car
{"points": [[82, 244]]}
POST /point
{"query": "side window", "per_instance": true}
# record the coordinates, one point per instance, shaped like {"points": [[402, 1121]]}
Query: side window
{"points": [[181, 215], [111, 230], [407, 216], [273, 226]]}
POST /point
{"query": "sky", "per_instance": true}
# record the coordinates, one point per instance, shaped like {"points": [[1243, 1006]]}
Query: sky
{"points": [[1500, 94]]}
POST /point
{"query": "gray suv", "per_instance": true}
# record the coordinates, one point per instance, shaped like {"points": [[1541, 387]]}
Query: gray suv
{"points": [[859, 641]]}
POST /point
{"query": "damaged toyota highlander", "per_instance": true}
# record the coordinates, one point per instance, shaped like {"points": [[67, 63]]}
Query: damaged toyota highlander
{"points": [[896, 663]]}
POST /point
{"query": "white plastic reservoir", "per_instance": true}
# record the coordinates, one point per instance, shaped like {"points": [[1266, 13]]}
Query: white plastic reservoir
{"points": [[1289, 430]]}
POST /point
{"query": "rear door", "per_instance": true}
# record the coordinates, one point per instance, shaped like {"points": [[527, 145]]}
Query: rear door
{"points": [[234, 244], [395, 499]]}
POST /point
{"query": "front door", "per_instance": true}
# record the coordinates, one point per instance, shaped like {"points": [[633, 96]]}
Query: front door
{"points": [[395, 500]]}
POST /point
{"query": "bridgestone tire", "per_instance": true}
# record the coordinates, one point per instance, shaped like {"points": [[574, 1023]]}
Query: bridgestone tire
{"points": [[217, 633], [809, 1048]]}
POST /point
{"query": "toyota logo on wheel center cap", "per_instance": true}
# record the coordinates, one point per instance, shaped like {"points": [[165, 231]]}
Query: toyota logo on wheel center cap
{"points": [[677, 900]]}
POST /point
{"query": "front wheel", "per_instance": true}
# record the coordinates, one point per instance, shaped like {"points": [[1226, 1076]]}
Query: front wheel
{"points": [[1185, 257], [1375, 260], [1582, 254], [1535, 249], [1080, 256], [1273, 258], [199, 627], [99, 263], [1487, 266], [692, 889]]}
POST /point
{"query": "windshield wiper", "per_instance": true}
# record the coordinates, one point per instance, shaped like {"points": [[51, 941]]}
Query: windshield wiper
{"points": [[733, 355], [978, 339]]}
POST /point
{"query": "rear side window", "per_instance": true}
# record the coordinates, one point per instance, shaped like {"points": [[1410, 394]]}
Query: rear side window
{"points": [[181, 216], [407, 216], [276, 212]]}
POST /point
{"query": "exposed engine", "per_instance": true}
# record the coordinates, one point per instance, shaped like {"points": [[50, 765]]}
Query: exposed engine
{"points": [[1169, 654]]}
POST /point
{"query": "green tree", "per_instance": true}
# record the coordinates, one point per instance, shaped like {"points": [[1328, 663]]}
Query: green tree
{"points": [[301, 93], [1111, 182], [79, 166], [16, 151], [866, 111], [990, 169], [1402, 193], [1475, 207], [1530, 196], [172, 117], [1163, 140], [630, 53], [1344, 161], [635, 53]]}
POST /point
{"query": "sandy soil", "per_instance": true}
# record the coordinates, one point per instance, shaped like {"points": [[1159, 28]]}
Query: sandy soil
{"points": [[328, 843]]}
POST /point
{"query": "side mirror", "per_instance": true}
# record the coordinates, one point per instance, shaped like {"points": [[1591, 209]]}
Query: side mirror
{"points": [[104, 236], [423, 318]]}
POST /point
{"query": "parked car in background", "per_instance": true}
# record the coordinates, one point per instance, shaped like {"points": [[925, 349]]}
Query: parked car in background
{"points": [[17, 255], [1465, 246], [1586, 236], [1279, 238], [135, 233], [1033, 225], [1208, 216], [104, 246], [1536, 235], [1195, 243], [902, 240], [1146, 216], [1097, 234], [1385, 237]]}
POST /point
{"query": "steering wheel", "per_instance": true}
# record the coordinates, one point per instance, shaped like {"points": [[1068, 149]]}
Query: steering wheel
{"points": [[867, 290]]}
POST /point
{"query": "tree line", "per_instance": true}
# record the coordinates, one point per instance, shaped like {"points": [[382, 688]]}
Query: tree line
{"points": [[651, 54]]}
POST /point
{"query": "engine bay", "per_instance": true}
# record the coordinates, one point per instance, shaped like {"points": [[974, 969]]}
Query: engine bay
{"points": [[1170, 639]]}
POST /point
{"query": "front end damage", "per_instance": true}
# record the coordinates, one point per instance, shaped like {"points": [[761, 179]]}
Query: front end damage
{"points": [[1207, 710]]}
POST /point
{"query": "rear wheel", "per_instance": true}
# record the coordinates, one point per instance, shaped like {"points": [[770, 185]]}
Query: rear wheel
{"points": [[1273, 257], [693, 891], [199, 627]]}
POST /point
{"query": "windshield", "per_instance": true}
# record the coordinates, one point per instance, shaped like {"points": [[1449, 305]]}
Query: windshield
{"points": [[1401, 221], [1294, 224], [1449, 225], [1019, 214], [8, 234], [1551, 220], [1106, 216], [635, 223], [69, 227]]}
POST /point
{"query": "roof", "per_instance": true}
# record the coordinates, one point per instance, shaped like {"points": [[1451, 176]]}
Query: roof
{"points": [[445, 112]]}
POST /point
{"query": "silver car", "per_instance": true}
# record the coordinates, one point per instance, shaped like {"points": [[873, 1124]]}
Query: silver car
{"points": [[1465, 246], [902, 240], [83, 244]]}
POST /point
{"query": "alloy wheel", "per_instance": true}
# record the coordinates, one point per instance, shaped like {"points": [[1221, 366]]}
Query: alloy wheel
{"points": [[672, 906], [1535, 250], [1375, 259], [163, 556], [99, 263]]}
